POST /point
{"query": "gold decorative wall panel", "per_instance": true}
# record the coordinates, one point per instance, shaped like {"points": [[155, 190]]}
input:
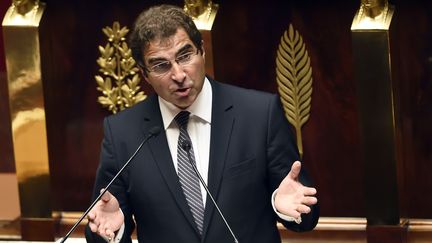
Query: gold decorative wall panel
{"points": [[26, 99], [203, 12], [294, 79], [373, 14], [116, 63]]}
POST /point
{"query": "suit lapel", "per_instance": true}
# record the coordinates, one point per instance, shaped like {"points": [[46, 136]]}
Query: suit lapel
{"points": [[221, 128], [162, 157]]}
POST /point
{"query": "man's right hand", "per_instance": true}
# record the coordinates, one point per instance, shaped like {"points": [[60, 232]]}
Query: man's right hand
{"points": [[106, 217]]}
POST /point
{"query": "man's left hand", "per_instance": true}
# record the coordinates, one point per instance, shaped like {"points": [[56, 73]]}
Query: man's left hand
{"points": [[292, 198]]}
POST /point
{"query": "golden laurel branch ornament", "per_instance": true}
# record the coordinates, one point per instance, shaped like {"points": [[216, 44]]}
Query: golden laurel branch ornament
{"points": [[116, 63], [294, 79]]}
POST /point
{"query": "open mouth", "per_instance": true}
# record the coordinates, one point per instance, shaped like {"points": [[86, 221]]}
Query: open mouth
{"points": [[183, 91]]}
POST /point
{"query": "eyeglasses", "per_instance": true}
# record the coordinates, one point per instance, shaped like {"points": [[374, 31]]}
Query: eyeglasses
{"points": [[164, 66]]}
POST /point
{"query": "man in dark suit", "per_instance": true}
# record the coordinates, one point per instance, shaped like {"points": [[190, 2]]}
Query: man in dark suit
{"points": [[238, 139]]}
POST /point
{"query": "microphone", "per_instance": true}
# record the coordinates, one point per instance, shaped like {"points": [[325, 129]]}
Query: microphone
{"points": [[186, 145], [154, 131]]}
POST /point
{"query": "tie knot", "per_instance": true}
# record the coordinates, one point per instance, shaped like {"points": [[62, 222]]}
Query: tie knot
{"points": [[182, 118]]}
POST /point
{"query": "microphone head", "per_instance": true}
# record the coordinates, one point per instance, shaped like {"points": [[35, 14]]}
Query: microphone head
{"points": [[186, 145], [154, 131]]}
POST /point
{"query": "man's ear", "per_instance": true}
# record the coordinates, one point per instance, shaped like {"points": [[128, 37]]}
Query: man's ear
{"points": [[203, 49]]}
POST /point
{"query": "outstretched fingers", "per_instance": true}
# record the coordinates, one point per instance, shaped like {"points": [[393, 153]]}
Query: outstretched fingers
{"points": [[309, 201], [93, 227], [309, 196], [93, 221], [110, 234], [105, 230], [309, 191], [293, 213], [303, 209]]}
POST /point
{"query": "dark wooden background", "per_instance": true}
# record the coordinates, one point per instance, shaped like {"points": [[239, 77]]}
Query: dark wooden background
{"points": [[246, 35]]}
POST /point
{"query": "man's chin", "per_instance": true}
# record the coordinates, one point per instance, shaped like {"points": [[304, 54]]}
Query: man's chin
{"points": [[183, 104]]}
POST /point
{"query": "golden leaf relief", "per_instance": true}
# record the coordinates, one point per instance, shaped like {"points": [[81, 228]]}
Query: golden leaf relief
{"points": [[294, 79], [116, 63]]}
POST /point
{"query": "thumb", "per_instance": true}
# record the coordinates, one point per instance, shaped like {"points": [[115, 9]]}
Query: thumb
{"points": [[295, 170], [106, 196]]}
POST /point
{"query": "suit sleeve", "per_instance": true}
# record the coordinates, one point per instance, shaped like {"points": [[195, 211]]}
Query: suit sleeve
{"points": [[281, 153], [109, 165]]}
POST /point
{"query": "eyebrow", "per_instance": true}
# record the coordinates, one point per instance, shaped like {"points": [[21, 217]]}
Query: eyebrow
{"points": [[186, 47], [180, 51]]}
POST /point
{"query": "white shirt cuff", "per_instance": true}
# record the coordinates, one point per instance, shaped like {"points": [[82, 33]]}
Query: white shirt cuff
{"points": [[283, 216]]}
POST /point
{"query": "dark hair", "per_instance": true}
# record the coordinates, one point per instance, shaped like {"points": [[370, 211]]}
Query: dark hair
{"points": [[160, 22]]}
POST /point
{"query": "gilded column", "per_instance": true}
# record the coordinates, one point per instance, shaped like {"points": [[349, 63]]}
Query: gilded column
{"points": [[203, 12], [377, 118], [26, 99]]}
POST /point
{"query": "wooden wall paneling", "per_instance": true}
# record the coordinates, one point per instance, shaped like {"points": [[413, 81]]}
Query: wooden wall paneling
{"points": [[413, 46]]}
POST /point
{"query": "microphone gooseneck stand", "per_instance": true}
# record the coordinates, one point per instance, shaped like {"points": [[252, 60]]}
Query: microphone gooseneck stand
{"points": [[187, 146]]}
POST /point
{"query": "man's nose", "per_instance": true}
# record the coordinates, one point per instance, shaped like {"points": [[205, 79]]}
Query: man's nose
{"points": [[177, 72]]}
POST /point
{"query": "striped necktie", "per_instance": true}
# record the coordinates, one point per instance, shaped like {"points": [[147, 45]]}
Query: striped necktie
{"points": [[187, 177]]}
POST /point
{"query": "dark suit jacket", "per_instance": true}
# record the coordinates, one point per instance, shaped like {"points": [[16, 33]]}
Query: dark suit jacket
{"points": [[251, 151]]}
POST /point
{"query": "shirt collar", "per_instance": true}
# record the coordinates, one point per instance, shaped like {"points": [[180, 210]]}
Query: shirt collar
{"points": [[201, 108]]}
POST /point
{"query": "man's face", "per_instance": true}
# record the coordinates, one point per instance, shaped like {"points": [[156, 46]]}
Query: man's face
{"points": [[175, 69]]}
